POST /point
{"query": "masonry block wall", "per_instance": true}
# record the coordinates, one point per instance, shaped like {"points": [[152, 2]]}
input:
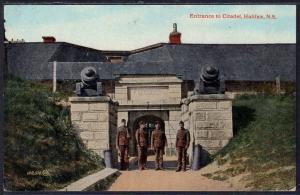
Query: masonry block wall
{"points": [[188, 124], [95, 120], [210, 119], [113, 126], [171, 127], [122, 115], [151, 89]]}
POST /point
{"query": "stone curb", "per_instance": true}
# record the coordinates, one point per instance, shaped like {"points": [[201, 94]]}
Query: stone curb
{"points": [[293, 189], [87, 182]]}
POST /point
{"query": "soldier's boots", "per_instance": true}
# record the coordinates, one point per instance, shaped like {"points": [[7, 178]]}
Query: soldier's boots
{"points": [[142, 167], [184, 167], [125, 167], [161, 166]]}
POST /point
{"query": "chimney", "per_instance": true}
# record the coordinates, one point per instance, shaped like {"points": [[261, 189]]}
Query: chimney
{"points": [[175, 37], [48, 39]]}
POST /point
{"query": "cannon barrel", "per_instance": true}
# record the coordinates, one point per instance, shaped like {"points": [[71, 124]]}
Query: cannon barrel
{"points": [[89, 85], [210, 83], [89, 76], [210, 74]]}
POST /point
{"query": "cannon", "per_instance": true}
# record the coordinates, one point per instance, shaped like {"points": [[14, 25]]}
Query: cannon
{"points": [[89, 85], [210, 82]]}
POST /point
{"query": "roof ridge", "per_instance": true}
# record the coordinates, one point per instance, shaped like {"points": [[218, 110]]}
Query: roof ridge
{"points": [[35, 42], [168, 44], [56, 43], [149, 47], [161, 44], [73, 44]]}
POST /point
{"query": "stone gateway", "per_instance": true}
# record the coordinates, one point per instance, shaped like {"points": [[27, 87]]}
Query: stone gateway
{"points": [[208, 117]]}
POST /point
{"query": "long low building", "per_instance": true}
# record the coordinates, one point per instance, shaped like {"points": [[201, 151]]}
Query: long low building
{"points": [[149, 83], [244, 67]]}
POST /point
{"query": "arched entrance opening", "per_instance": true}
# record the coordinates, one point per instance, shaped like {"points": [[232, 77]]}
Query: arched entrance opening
{"points": [[149, 127]]}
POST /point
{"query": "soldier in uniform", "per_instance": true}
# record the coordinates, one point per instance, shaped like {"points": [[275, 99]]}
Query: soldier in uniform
{"points": [[182, 144], [122, 140], [158, 142], [142, 145]]}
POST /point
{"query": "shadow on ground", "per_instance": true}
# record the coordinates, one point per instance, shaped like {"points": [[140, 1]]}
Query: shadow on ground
{"points": [[169, 165]]}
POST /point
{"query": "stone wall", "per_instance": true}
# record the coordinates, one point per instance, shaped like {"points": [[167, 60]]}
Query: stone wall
{"points": [[122, 115], [188, 124], [209, 119], [95, 120], [171, 127], [113, 122], [148, 90]]}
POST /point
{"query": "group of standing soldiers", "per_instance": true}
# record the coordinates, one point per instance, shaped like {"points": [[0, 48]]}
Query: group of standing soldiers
{"points": [[158, 143]]}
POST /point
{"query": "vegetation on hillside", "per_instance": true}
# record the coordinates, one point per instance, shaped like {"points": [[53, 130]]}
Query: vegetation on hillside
{"points": [[263, 148], [42, 151]]}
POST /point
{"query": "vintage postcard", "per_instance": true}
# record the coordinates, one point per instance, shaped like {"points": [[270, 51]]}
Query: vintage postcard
{"points": [[150, 98]]}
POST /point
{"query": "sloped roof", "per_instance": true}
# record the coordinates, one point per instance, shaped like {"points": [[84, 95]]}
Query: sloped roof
{"points": [[240, 62], [30, 60], [252, 62]]}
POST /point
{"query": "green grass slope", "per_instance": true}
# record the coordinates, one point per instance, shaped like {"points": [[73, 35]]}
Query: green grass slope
{"points": [[264, 145], [42, 152]]}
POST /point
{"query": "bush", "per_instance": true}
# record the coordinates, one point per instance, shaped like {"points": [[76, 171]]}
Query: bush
{"points": [[264, 143], [42, 151]]}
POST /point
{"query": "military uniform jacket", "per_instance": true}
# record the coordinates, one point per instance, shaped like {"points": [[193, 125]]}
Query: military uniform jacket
{"points": [[183, 138], [123, 136], [158, 139], [141, 137]]}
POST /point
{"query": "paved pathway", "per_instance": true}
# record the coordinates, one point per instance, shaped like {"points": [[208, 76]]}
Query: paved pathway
{"points": [[167, 180]]}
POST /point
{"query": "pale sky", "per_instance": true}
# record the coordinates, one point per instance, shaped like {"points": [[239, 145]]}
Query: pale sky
{"points": [[127, 27]]}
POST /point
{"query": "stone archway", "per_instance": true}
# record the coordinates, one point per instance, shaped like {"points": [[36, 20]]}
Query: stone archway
{"points": [[149, 126]]}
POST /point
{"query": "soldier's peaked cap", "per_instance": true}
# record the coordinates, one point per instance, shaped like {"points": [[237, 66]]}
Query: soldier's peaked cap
{"points": [[181, 122], [123, 120]]}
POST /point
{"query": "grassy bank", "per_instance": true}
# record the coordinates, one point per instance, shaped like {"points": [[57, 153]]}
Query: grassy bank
{"points": [[263, 149], [42, 152]]}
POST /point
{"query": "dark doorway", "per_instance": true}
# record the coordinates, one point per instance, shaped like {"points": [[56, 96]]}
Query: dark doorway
{"points": [[149, 126]]}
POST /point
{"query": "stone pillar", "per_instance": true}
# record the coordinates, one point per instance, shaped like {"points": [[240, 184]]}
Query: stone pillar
{"points": [[210, 121], [95, 120]]}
